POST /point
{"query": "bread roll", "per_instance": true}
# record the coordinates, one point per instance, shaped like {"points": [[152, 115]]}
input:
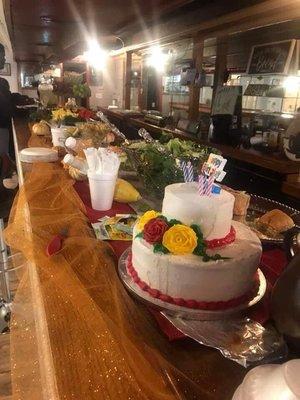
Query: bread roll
{"points": [[276, 220]]}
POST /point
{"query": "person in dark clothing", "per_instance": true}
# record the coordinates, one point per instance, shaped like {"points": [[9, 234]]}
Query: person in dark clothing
{"points": [[6, 143], [6, 108], [2, 56]]}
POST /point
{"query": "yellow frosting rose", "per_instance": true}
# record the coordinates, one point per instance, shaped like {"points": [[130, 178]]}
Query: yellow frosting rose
{"points": [[146, 218], [180, 239]]}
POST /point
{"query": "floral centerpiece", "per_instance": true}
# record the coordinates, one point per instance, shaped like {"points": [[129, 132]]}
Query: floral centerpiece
{"points": [[170, 236], [65, 116]]}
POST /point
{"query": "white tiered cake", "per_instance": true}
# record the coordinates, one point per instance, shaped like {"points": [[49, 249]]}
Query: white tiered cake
{"points": [[193, 278], [213, 214]]}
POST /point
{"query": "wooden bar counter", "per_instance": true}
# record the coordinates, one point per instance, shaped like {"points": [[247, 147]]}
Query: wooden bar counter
{"points": [[276, 166], [190, 371]]}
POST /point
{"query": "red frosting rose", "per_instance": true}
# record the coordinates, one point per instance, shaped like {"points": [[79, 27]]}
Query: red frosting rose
{"points": [[154, 230]]}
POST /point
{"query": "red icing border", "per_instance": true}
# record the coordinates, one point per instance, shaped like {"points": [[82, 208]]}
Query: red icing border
{"points": [[230, 238], [202, 305]]}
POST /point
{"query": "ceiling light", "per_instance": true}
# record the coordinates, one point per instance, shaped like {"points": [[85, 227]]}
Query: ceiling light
{"points": [[157, 59], [95, 56], [291, 82]]}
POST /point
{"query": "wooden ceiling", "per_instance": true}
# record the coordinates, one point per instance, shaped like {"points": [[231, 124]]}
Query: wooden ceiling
{"points": [[46, 30], [50, 31]]}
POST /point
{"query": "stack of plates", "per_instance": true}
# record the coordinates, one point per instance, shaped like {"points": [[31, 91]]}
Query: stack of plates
{"points": [[38, 154]]}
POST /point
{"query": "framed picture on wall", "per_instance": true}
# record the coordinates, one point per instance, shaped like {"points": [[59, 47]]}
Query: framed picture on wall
{"points": [[6, 71], [271, 58]]}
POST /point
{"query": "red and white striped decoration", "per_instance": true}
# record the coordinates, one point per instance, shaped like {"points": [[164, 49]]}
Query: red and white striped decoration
{"points": [[205, 184], [201, 184], [209, 184]]}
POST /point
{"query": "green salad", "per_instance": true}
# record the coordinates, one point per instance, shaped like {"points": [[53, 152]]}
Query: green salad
{"points": [[158, 163]]}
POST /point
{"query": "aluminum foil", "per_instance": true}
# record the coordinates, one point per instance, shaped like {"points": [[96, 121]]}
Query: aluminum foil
{"points": [[240, 339]]}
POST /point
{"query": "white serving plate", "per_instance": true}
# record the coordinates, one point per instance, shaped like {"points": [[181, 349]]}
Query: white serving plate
{"points": [[38, 154]]}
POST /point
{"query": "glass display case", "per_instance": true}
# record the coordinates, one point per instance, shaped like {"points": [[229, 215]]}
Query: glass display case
{"points": [[269, 93]]}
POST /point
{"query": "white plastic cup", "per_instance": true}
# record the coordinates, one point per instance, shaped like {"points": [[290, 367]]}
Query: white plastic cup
{"points": [[102, 188], [271, 381], [58, 136]]}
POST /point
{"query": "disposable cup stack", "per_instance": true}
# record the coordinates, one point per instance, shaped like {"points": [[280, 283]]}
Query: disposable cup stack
{"points": [[103, 167]]}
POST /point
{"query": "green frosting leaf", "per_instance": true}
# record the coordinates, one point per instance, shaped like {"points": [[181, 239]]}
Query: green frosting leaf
{"points": [[139, 235], [160, 248], [163, 218], [199, 250], [197, 230], [215, 257], [173, 222]]}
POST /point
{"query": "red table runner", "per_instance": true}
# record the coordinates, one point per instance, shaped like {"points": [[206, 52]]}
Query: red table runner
{"points": [[272, 263]]}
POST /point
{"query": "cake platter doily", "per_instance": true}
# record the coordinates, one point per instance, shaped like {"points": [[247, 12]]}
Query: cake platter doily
{"points": [[184, 312]]}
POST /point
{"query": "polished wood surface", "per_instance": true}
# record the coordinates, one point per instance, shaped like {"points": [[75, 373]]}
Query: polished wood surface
{"points": [[49, 29], [5, 366], [292, 189], [38, 39], [199, 372], [218, 19]]}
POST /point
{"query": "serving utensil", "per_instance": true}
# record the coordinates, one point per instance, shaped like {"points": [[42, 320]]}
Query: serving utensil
{"points": [[112, 126]]}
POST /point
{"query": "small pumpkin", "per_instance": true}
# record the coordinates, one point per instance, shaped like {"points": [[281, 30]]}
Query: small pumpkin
{"points": [[41, 128]]}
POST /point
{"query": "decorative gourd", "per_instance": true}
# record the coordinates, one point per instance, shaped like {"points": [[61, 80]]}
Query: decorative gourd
{"points": [[125, 192], [41, 129]]}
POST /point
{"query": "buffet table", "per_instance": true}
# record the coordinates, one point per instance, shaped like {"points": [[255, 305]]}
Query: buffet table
{"points": [[91, 339]]}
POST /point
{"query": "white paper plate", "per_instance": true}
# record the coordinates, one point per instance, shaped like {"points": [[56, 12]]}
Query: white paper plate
{"points": [[38, 154]]}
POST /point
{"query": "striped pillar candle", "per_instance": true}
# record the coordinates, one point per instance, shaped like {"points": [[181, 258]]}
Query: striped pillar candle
{"points": [[201, 184], [188, 172], [209, 185], [184, 170]]}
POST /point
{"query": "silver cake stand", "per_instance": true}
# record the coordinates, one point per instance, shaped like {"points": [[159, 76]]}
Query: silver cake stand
{"points": [[184, 312]]}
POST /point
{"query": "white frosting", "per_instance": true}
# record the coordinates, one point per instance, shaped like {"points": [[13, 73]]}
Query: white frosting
{"points": [[214, 214], [189, 277]]}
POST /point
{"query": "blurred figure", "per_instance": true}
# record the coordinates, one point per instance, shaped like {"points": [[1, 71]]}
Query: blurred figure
{"points": [[6, 108], [7, 176]]}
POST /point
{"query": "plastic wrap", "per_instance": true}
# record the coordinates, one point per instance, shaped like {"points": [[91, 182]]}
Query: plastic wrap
{"points": [[240, 339]]}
